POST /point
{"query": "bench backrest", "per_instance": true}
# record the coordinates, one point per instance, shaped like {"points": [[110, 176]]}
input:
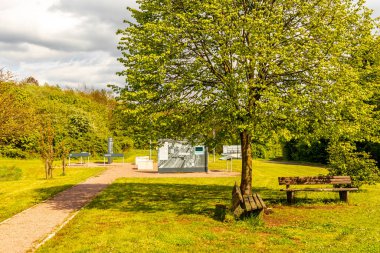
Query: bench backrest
{"points": [[314, 180]]}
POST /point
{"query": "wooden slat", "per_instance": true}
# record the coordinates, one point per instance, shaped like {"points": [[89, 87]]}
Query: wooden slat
{"points": [[320, 189], [261, 201], [259, 205], [236, 191], [237, 197], [252, 202], [247, 204], [336, 180]]}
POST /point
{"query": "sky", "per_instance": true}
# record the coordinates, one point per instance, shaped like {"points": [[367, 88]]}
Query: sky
{"points": [[70, 43]]}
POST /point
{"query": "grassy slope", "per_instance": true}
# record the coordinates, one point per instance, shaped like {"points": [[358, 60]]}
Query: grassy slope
{"points": [[32, 188], [176, 215]]}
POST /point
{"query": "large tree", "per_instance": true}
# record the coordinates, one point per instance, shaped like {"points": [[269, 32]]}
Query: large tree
{"points": [[242, 67]]}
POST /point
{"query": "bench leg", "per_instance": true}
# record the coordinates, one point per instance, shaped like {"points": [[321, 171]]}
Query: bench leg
{"points": [[290, 197], [343, 196]]}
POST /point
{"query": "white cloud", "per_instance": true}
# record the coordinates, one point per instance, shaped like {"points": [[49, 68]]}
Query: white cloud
{"points": [[374, 5], [76, 72], [67, 42]]}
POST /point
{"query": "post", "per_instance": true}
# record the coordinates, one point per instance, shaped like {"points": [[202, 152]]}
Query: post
{"points": [[206, 161], [290, 197], [110, 149], [213, 151], [343, 195], [150, 149]]}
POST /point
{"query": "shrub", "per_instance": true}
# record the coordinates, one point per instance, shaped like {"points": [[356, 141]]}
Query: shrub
{"points": [[11, 152], [10, 173], [315, 151], [344, 160]]}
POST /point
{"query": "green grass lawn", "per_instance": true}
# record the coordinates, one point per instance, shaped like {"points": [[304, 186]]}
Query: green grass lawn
{"points": [[22, 183], [177, 215]]}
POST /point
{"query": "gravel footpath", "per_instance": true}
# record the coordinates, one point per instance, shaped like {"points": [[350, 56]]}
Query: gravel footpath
{"points": [[29, 229]]}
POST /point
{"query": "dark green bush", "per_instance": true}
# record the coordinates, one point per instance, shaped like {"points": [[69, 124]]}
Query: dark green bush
{"points": [[346, 161], [315, 151], [11, 152]]}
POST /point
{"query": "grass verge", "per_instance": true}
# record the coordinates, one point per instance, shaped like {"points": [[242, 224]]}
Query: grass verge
{"points": [[23, 184], [177, 215]]}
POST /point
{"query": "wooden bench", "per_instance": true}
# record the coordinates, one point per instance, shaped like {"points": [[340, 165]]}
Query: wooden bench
{"points": [[320, 180], [246, 204]]}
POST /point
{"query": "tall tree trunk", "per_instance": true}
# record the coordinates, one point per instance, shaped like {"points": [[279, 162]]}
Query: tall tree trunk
{"points": [[50, 166], [63, 166], [246, 173], [46, 169]]}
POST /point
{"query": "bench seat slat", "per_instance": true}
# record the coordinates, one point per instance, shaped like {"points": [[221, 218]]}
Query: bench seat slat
{"points": [[314, 180], [252, 202], [247, 203], [261, 201], [320, 189]]}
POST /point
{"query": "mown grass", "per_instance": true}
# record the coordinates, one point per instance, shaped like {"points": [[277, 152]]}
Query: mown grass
{"points": [[22, 184], [177, 215], [10, 173]]}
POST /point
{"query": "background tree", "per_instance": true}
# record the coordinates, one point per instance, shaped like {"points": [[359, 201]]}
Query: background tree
{"points": [[46, 147], [250, 67], [16, 111], [6, 75]]}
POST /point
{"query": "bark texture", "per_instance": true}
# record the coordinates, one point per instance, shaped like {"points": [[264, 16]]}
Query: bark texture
{"points": [[246, 174]]}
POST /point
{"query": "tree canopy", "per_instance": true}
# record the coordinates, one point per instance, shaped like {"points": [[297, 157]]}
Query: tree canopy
{"points": [[247, 68]]}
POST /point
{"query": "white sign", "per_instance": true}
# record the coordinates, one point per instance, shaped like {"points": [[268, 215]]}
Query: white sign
{"points": [[163, 152], [232, 151]]}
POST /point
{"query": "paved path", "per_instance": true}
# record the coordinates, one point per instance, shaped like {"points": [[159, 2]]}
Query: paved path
{"points": [[29, 229], [26, 229]]}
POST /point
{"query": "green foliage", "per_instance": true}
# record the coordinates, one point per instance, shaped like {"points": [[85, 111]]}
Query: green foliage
{"points": [[123, 143], [78, 126], [10, 173], [315, 151], [344, 160], [371, 148], [247, 70], [80, 120], [12, 152], [16, 110]]}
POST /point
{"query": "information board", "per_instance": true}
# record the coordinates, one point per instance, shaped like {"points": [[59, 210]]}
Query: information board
{"points": [[180, 156]]}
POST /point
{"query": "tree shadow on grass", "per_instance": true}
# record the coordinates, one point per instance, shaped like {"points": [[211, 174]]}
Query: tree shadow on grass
{"points": [[156, 197], [48, 192], [159, 197]]}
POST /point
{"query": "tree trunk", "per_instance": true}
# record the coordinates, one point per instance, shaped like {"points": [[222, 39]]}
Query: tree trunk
{"points": [[46, 169], [50, 166], [246, 172], [63, 166]]}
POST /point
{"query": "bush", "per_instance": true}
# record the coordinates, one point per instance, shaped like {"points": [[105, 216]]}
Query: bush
{"points": [[10, 173], [122, 143], [11, 152], [315, 151], [345, 161]]}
